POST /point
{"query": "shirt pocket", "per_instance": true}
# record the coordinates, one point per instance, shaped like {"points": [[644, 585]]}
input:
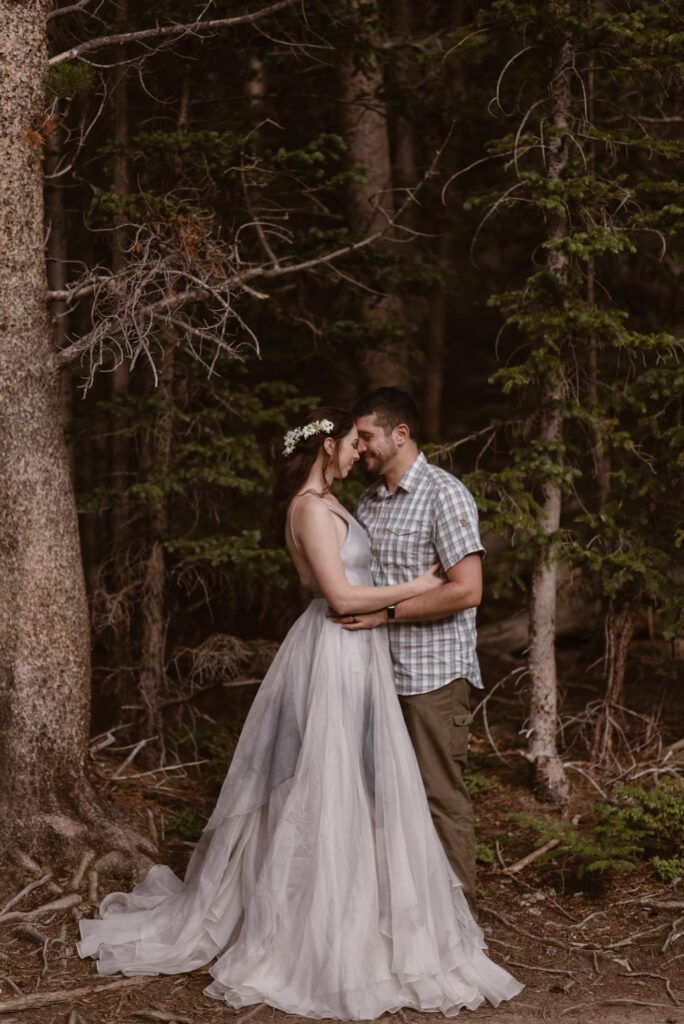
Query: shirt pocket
{"points": [[407, 545]]}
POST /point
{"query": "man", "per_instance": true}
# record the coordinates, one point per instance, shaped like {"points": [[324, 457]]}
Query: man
{"points": [[416, 514]]}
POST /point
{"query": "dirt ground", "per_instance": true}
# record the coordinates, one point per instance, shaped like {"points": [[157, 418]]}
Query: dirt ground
{"points": [[611, 952]]}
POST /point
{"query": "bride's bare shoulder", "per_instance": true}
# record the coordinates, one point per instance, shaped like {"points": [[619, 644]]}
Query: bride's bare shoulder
{"points": [[308, 507]]}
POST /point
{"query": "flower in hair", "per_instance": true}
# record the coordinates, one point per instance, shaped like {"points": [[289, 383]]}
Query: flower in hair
{"points": [[308, 430]]}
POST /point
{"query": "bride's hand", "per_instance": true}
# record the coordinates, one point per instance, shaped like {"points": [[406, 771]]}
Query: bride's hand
{"points": [[428, 580]]}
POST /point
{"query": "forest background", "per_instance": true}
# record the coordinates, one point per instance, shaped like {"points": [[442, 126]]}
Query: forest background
{"points": [[214, 216]]}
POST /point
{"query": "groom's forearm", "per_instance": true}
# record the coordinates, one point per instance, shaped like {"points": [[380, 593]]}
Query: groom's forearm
{"points": [[463, 589]]}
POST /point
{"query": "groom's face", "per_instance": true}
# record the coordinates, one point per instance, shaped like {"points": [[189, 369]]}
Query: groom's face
{"points": [[376, 448]]}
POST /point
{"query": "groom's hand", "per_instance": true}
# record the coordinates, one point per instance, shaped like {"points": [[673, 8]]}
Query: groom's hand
{"points": [[370, 620]]}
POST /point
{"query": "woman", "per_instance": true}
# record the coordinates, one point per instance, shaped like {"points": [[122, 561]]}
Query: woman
{"points": [[319, 881]]}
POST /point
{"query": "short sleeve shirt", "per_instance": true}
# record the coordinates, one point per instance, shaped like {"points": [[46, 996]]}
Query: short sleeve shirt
{"points": [[430, 516]]}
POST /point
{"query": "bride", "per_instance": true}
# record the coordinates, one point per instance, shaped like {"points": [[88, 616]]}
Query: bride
{"points": [[319, 882]]}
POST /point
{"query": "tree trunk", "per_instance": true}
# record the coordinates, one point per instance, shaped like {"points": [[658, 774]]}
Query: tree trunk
{"points": [[121, 651], [619, 629], [153, 668], [550, 775], [56, 229], [44, 631], [365, 130]]}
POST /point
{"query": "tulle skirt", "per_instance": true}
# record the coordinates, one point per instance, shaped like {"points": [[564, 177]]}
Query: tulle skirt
{"points": [[319, 883]]}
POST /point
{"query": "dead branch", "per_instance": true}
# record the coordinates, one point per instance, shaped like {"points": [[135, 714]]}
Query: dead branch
{"points": [[132, 756], [251, 1013], [65, 995], [26, 861], [63, 903], [59, 12], [25, 891], [612, 1002], [531, 857], [12, 984], [163, 1015], [659, 977], [165, 768], [92, 887], [86, 859], [544, 970], [167, 32], [179, 264], [29, 932]]}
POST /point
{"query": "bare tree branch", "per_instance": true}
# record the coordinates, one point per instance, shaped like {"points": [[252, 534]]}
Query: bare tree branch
{"points": [[168, 31], [59, 12]]}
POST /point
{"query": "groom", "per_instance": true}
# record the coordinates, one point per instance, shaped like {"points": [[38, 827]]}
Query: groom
{"points": [[417, 514]]}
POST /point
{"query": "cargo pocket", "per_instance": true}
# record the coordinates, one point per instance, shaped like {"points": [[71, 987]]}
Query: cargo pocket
{"points": [[459, 737]]}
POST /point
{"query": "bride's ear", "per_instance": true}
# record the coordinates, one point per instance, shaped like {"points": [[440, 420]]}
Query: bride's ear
{"points": [[329, 446]]}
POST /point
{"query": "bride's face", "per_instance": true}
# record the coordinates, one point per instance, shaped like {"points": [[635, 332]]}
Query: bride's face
{"points": [[346, 454]]}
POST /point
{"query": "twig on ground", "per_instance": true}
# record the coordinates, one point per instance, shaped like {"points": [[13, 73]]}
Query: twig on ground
{"points": [[31, 865], [673, 935], [163, 1015], [92, 887], [544, 970], [25, 891], [133, 754], [41, 938], [660, 977], [531, 857], [544, 940], [613, 1002], [12, 984], [86, 859], [251, 1013], [63, 903], [152, 826], [67, 994], [166, 768]]}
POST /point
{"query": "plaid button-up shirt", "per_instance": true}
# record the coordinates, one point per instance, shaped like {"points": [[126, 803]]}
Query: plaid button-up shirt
{"points": [[430, 516]]}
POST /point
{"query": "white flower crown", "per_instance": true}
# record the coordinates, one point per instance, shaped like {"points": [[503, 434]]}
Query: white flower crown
{"points": [[308, 430]]}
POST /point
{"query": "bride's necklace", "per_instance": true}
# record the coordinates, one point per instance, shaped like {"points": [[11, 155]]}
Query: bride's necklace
{"points": [[312, 490]]}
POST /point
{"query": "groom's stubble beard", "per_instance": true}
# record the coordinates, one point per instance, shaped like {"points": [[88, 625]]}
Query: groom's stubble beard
{"points": [[379, 462]]}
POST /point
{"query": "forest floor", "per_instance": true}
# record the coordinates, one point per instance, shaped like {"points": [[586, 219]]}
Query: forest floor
{"points": [[608, 950]]}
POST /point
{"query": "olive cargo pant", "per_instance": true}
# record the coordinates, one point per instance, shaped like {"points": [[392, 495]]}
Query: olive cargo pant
{"points": [[438, 724]]}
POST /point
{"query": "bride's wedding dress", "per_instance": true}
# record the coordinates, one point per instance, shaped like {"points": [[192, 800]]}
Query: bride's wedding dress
{"points": [[319, 883]]}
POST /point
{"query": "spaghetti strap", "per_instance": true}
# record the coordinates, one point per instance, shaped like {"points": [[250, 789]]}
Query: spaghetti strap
{"points": [[341, 512]]}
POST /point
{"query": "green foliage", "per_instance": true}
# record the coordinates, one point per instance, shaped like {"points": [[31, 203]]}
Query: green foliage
{"points": [[478, 782], [484, 854], [66, 80], [186, 824], [669, 869], [644, 824]]}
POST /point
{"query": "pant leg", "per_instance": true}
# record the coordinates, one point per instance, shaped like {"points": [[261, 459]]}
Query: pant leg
{"points": [[438, 724]]}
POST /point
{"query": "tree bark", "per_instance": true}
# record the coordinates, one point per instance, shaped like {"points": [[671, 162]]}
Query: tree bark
{"points": [[550, 775], [619, 629], [121, 647], [365, 130], [56, 228], [153, 667], [44, 629]]}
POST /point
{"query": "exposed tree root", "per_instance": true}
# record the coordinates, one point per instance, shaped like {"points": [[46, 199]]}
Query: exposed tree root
{"points": [[66, 995]]}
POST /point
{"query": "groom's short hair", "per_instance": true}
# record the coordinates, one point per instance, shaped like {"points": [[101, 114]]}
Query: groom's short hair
{"points": [[391, 406]]}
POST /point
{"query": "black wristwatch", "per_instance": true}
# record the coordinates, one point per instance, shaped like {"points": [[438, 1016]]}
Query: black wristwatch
{"points": [[391, 616]]}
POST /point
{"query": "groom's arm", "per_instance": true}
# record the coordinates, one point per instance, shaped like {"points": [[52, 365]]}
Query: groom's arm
{"points": [[463, 589]]}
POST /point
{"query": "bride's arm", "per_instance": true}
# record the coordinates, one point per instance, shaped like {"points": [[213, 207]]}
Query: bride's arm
{"points": [[313, 526]]}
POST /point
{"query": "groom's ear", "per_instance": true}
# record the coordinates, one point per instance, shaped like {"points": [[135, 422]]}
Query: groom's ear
{"points": [[402, 434]]}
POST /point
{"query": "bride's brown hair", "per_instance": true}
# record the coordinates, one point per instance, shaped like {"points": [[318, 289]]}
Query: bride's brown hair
{"points": [[292, 470]]}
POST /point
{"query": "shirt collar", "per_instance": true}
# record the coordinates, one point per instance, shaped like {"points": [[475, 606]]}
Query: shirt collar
{"points": [[409, 480]]}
